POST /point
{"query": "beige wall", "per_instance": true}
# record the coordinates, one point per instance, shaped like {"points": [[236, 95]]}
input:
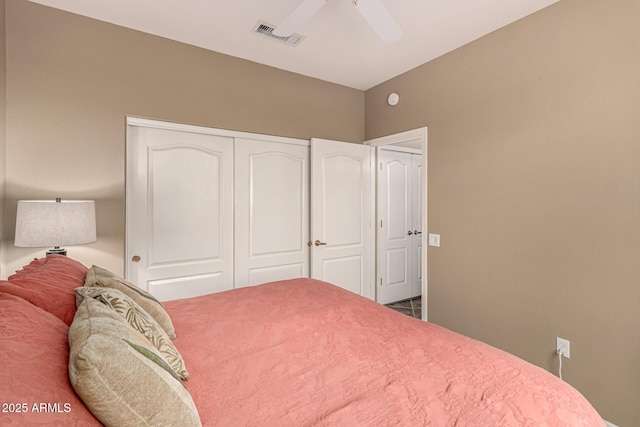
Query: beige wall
{"points": [[3, 87], [72, 80], [534, 186]]}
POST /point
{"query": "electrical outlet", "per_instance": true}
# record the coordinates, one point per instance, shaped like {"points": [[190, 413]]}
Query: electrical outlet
{"points": [[562, 347]]}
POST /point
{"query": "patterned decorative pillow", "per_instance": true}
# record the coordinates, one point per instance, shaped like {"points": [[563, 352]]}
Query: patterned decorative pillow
{"points": [[138, 319], [120, 376], [98, 276]]}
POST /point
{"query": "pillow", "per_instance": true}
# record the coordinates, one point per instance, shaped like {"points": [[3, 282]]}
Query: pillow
{"points": [[98, 276], [34, 360], [49, 283], [120, 376], [139, 320]]}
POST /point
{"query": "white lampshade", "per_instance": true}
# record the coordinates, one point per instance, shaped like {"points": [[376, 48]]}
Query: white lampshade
{"points": [[46, 223]]}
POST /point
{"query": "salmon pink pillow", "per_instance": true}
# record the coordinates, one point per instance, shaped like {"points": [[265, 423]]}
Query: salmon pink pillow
{"points": [[34, 379], [49, 283]]}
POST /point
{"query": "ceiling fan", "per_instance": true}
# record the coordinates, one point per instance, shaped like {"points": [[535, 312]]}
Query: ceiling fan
{"points": [[373, 11]]}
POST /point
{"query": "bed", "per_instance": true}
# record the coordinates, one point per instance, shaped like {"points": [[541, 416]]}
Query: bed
{"points": [[290, 353]]}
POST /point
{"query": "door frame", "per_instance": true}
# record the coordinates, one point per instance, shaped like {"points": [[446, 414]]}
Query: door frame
{"points": [[400, 139]]}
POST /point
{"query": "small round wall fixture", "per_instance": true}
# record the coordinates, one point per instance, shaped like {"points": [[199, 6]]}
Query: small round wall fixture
{"points": [[393, 99]]}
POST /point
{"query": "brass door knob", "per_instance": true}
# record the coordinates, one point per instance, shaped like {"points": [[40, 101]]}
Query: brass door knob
{"points": [[135, 258], [319, 243], [410, 233]]}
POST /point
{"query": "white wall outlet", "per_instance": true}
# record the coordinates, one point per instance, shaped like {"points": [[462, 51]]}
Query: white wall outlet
{"points": [[562, 347], [434, 240]]}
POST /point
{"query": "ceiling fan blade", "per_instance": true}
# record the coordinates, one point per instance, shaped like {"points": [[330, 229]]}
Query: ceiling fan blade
{"points": [[304, 11], [380, 19]]}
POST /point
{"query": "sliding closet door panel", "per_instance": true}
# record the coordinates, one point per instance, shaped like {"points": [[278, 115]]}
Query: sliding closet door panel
{"points": [[266, 274], [184, 195], [272, 211], [341, 215], [191, 285], [179, 211]]}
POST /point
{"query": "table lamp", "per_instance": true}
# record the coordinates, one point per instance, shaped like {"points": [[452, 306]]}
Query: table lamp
{"points": [[46, 223]]}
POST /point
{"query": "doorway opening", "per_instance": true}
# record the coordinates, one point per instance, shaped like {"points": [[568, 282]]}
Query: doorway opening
{"points": [[401, 219]]}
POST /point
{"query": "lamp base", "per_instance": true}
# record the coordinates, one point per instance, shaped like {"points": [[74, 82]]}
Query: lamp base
{"points": [[57, 250]]}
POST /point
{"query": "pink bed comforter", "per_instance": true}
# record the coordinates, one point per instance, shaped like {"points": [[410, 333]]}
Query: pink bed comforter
{"points": [[303, 352]]}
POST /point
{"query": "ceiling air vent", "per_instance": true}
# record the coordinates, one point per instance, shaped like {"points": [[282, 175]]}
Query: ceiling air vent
{"points": [[266, 30]]}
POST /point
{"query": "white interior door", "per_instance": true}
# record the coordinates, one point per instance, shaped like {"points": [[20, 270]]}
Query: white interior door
{"points": [[417, 170], [272, 211], [179, 211], [411, 141], [341, 215], [395, 227]]}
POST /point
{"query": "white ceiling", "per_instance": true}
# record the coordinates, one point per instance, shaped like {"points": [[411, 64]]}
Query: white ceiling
{"points": [[339, 46]]}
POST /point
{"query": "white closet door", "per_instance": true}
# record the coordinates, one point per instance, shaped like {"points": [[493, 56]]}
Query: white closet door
{"points": [[272, 211], [341, 215], [179, 211], [396, 226]]}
